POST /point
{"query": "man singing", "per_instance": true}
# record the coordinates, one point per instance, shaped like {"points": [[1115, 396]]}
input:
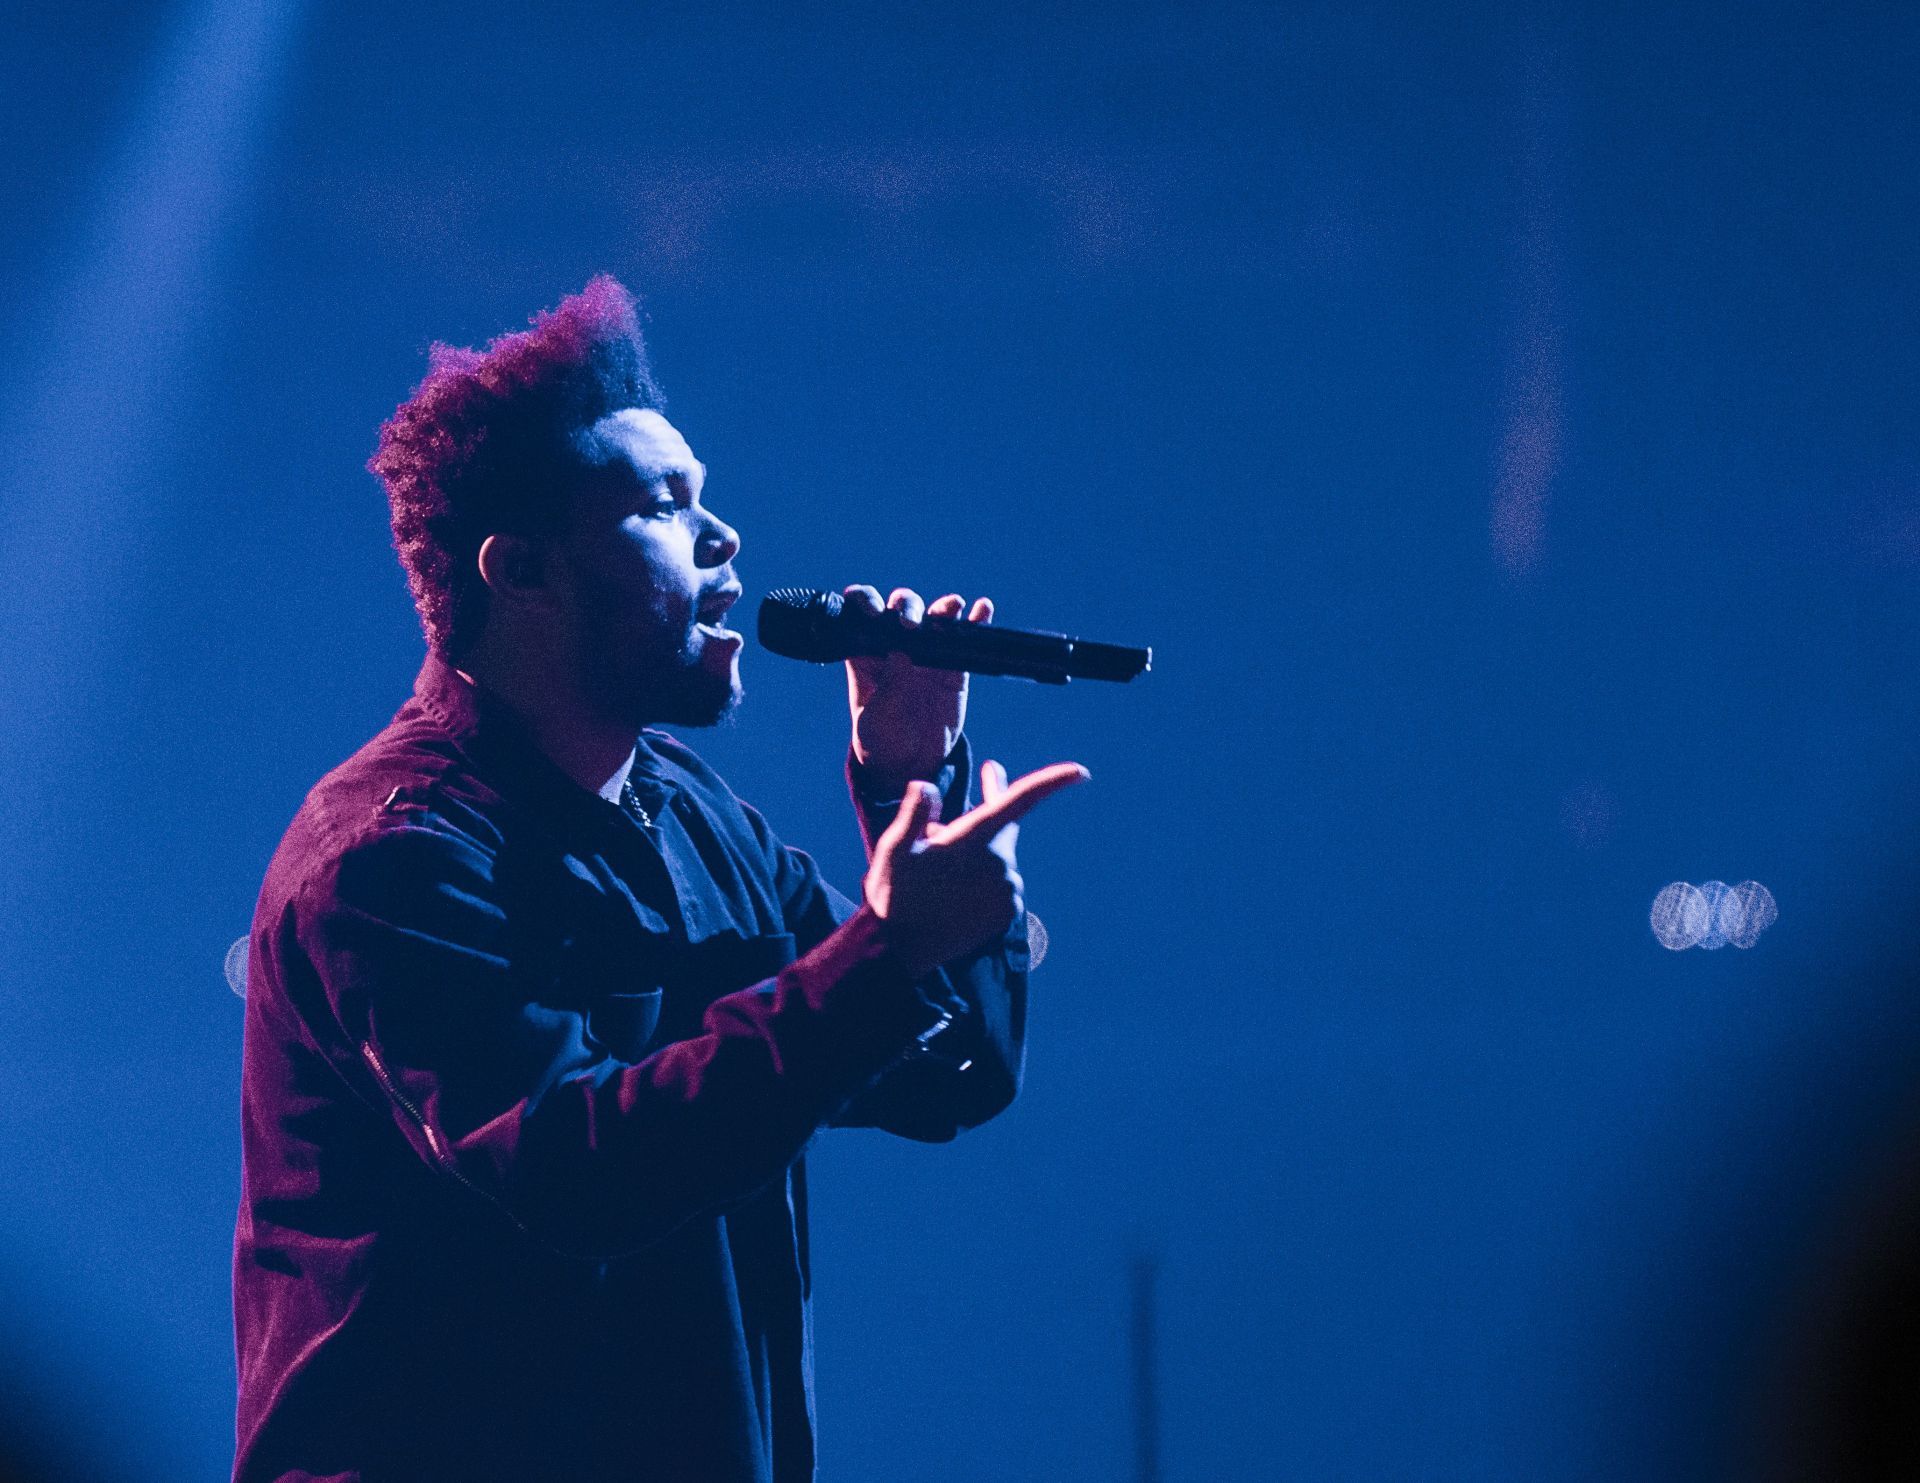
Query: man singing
{"points": [[541, 1017]]}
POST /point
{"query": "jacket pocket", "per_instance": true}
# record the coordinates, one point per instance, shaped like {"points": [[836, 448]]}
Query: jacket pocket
{"points": [[715, 966]]}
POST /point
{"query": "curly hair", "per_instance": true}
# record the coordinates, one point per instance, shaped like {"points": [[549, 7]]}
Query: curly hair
{"points": [[490, 440]]}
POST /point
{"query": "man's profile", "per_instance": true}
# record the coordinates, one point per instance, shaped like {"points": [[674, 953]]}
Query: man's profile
{"points": [[541, 1017]]}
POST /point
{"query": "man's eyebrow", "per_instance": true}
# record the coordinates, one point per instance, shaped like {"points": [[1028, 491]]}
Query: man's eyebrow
{"points": [[666, 471]]}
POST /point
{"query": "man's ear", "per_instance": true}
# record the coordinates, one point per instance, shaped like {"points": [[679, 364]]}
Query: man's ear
{"points": [[514, 569]]}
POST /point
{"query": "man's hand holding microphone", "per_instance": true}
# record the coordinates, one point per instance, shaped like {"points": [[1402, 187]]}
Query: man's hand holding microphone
{"points": [[943, 888]]}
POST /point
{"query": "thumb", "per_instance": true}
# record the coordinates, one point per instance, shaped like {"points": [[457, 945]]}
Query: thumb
{"points": [[916, 812]]}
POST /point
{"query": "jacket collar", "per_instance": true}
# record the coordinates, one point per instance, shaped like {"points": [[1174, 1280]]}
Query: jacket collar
{"points": [[501, 747]]}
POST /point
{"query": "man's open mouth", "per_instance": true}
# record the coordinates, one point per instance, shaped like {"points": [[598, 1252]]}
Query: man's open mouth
{"points": [[713, 608]]}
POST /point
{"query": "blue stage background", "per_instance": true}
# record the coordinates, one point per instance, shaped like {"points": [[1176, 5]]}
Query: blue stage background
{"points": [[1499, 420]]}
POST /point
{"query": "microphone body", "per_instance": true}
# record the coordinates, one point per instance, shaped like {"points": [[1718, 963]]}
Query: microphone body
{"points": [[801, 623]]}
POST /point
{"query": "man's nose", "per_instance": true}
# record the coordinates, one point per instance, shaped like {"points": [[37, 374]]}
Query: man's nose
{"points": [[719, 542]]}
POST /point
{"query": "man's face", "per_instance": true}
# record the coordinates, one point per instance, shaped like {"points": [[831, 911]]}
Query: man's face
{"points": [[652, 581]]}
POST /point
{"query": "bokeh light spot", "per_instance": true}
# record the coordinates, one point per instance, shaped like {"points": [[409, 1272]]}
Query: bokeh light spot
{"points": [[1717, 895], [235, 966], [1036, 942], [1680, 916], [1712, 914], [1757, 911]]}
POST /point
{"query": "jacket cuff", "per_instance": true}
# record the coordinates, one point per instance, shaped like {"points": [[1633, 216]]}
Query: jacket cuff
{"points": [[855, 978], [876, 809]]}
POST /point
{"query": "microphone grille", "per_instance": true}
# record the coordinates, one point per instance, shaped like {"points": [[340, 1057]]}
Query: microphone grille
{"points": [[802, 623]]}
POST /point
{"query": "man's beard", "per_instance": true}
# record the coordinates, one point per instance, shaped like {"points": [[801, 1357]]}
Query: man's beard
{"points": [[647, 673]]}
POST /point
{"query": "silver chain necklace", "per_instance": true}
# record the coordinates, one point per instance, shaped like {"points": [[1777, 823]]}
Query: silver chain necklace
{"points": [[630, 801]]}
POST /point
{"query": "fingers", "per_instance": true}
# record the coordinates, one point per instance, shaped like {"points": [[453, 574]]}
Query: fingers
{"points": [[1018, 800], [993, 787], [908, 604], [953, 605], [862, 596], [916, 812]]}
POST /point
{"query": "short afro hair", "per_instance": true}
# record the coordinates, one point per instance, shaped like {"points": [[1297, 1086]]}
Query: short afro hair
{"points": [[489, 442]]}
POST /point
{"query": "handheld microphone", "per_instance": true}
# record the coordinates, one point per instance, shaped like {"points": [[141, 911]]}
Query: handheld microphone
{"points": [[801, 623]]}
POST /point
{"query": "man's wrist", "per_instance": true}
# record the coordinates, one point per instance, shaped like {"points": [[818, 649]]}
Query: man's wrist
{"points": [[883, 785]]}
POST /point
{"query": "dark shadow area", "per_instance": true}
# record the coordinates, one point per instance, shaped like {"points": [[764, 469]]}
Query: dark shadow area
{"points": [[38, 1436], [63, 1419], [1847, 1402], [1840, 1394]]}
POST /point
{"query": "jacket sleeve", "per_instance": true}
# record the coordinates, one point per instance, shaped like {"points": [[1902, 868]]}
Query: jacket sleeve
{"points": [[970, 1070], [431, 1005]]}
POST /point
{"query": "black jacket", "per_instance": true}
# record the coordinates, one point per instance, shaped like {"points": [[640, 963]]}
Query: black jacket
{"points": [[525, 1090]]}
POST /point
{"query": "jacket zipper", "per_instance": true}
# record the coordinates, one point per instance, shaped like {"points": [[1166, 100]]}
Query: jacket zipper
{"points": [[440, 1155]]}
